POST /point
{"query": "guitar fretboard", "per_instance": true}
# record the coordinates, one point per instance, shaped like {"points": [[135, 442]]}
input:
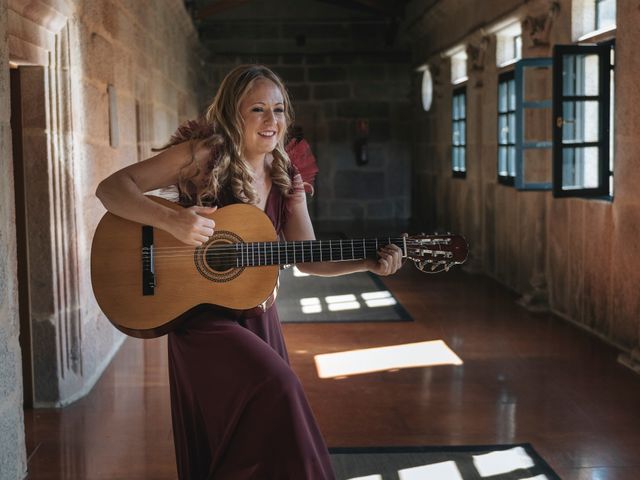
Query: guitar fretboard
{"points": [[256, 254]]}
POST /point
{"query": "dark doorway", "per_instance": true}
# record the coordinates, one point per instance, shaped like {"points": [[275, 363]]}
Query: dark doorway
{"points": [[21, 238]]}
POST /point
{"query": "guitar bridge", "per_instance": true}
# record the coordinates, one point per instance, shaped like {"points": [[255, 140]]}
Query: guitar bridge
{"points": [[148, 267]]}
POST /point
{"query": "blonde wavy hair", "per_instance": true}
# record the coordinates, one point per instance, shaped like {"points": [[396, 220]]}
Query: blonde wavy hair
{"points": [[221, 130]]}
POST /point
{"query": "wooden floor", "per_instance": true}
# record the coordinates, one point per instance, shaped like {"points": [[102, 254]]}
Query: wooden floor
{"points": [[525, 378]]}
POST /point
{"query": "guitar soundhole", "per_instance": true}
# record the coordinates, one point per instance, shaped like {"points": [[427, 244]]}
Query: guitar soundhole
{"points": [[217, 259]]}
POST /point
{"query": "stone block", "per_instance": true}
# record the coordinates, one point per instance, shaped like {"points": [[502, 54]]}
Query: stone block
{"points": [[299, 93], [13, 462], [97, 56], [359, 185], [362, 109], [379, 130], [371, 89], [316, 59], [292, 59], [327, 74], [364, 73], [380, 209], [338, 131], [95, 108], [347, 210], [314, 30], [291, 74], [336, 91]]}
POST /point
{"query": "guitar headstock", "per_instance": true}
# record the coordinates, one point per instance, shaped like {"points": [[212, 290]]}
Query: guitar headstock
{"points": [[436, 253]]}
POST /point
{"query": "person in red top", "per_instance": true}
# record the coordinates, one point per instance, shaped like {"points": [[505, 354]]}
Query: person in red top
{"points": [[238, 410]]}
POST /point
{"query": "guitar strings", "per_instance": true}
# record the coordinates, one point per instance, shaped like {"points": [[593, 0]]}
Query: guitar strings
{"points": [[262, 254], [256, 248]]}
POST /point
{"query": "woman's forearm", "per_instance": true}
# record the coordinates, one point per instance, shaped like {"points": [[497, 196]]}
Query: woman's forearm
{"points": [[121, 196], [333, 269]]}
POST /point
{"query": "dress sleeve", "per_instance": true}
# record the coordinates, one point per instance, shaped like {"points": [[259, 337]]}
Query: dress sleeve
{"points": [[303, 161], [303, 172]]}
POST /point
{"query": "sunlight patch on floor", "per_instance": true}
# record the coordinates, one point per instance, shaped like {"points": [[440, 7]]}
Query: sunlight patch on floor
{"points": [[435, 471], [336, 303], [410, 355], [503, 461]]}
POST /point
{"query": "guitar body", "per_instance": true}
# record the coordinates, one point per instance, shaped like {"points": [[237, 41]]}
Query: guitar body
{"points": [[181, 279]]}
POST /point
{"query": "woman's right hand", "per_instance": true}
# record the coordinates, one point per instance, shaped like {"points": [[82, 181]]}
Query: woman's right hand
{"points": [[190, 226]]}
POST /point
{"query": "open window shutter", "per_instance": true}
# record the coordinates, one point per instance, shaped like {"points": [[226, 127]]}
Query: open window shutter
{"points": [[533, 124]]}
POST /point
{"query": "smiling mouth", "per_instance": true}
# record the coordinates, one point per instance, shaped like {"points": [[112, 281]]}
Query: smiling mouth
{"points": [[268, 134]]}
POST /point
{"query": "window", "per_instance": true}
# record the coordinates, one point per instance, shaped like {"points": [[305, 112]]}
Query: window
{"points": [[592, 17], [459, 132], [509, 44], [583, 113], [605, 14], [459, 66], [506, 128], [534, 132]]}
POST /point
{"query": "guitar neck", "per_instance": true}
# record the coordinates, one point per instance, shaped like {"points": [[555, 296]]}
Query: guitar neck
{"points": [[256, 254]]}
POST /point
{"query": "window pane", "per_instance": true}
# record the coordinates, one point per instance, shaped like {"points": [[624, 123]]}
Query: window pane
{"points": [[456, 133], [512, 94], [580, 74], [503, 130], [605, 14], [463, 160], [463, 107], [455, 113], [512, 128], [502, 161], [512, 161], [579, 168], [580, 121], [502, 97], [463, 132]]}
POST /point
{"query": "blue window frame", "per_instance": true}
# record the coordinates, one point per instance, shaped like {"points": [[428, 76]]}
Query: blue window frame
{"points": [[459, 132], [583, 86], [506, 128], [533, 80]]}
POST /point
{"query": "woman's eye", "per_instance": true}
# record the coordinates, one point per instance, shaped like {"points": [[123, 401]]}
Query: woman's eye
{"points": [[256, 109], [279, 110]]}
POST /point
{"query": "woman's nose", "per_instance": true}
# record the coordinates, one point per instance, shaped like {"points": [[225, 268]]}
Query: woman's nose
{"points": [[269, 116]]}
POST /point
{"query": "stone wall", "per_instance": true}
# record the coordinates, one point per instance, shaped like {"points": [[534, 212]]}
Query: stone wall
{"points": [[580, 256], [13, 463], [340, 67], [70, 55]]}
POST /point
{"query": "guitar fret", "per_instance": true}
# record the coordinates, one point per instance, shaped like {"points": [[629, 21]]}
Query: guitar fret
{"points": [[364, 249], [341, 254], [294, 252], [353, 254]]}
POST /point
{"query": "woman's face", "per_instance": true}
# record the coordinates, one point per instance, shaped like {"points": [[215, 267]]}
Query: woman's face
{"points": [[262, 110]]}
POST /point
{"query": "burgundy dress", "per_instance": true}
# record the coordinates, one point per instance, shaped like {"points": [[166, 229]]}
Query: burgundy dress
{"points": [[238, 410]]}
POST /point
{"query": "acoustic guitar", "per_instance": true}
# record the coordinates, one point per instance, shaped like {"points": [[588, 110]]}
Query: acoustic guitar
{"points": [[144, 279]]}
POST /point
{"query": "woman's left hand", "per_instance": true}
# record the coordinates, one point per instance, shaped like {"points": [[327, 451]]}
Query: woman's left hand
{"points": [[388, 263]]}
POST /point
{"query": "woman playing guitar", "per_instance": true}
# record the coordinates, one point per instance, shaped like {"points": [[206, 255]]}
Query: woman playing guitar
{"points": [[238, 410]]}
